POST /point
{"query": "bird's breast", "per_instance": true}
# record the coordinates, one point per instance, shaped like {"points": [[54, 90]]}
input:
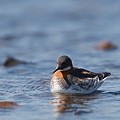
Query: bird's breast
{"points": [[60, 75]]}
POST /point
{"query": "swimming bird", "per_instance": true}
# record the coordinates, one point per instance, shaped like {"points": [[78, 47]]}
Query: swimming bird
{"points": [[69, 79]]}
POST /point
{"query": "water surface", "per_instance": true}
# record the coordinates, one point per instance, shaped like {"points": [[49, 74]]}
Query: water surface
{"points": [[38, 32]]}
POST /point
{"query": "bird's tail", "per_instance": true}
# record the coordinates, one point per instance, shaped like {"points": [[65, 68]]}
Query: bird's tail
{"points": [[103, 75]]}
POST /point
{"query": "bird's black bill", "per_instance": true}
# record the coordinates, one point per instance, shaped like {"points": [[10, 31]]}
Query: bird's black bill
{"points": [[56, 69]]}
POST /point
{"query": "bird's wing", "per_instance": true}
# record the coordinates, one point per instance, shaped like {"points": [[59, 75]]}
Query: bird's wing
{"points": [[84, 76]]}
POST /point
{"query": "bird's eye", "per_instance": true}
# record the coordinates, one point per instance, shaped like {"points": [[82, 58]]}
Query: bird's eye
{"points": [[65, 61]]}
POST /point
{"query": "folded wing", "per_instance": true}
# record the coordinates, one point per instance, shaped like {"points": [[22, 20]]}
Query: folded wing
{"points": [[87, 79]]}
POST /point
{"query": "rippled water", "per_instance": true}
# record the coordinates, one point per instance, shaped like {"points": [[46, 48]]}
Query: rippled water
{"points": [[39, 31]]}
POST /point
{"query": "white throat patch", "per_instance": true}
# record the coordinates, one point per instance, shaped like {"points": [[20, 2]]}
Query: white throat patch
{"points": [[66, 69]]}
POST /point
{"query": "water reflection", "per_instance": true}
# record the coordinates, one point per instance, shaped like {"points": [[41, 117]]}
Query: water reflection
{"points": [[78, 104]]}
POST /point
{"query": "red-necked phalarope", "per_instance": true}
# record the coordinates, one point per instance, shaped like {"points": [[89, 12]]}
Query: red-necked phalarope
{"points": [[69, 79]]}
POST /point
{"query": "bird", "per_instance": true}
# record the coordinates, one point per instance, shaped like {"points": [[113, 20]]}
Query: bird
{"points": [[69, 79]]}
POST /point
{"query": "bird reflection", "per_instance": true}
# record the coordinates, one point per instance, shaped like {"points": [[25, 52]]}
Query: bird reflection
{"points": [[78, 104]]}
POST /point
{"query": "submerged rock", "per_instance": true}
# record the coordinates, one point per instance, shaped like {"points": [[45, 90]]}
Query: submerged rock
{"points": [[8, 37], [10, 61], [106, 45], [7, 104]]}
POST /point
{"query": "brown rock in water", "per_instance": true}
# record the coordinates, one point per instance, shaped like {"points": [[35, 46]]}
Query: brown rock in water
{"points": [[8, 37], [12, 62], [106, 45], [7, 104]]}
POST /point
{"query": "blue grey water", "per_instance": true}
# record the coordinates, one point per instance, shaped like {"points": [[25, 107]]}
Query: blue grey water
{"points": [[39, 31]]}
